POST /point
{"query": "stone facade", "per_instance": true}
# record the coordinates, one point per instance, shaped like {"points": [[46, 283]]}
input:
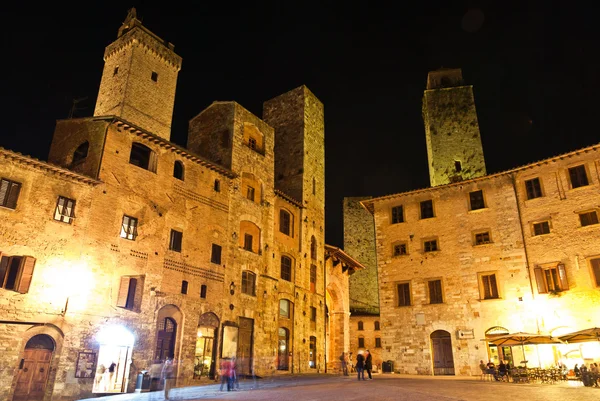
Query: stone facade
{"points": [[128, 248], [511, 252]]}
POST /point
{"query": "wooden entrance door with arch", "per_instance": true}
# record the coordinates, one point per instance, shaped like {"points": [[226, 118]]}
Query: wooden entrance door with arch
{"points": [[443, 360], [34, 368]]}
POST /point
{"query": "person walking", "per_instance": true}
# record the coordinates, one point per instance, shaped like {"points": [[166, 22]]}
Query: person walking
{"points": [[368, 364], [224, 372], [360, 365], [344, 362], [167, 376]]}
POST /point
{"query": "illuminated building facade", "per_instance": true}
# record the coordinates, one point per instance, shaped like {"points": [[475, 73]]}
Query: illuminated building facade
{"points": [[476, 255], [126, 249]]}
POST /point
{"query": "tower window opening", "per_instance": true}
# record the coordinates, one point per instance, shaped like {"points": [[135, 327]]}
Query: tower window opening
{"points": [[154, 76], [116, 71], [457, 166]]}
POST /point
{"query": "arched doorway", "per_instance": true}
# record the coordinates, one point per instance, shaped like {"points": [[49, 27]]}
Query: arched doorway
{"points": [[495, 353], [34, 368], [443, 360], [165, 339], [206, 350], [114, 359]]}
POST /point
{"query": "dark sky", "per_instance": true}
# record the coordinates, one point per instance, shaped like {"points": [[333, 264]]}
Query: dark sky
{"points": [[534, 70]]}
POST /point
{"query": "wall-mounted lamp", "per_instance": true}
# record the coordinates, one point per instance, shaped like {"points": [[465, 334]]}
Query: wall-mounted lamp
{"points": [[234, 235], [232, 288]]}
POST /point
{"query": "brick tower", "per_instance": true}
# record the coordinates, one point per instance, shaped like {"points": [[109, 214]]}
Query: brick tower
{"points": [[452, 132], [139, 78]]}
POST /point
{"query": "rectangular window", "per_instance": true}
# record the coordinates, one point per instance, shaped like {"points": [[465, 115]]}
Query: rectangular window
{"points": [[250, 193], [551, 279], [248, 242], [404, 294], [427, 209], [154, 76], [400, 249], [65, 210], [248, 283], [588, 218], [252, 143], [284, 308], [377, 342], [541, 228], [361, 342], [217, 186], [215, 256], [313, 278], [286, 268], [397, 215], [435, 292], [534, 189], [175, 240], [595, 271], [489, 286], [482, 238], [284, 222], [476, 200], [129, 228], [430, 245], [313, 317], [203, 291], [9, 193], [578, 176], [184, 287], [16, 272], [130, 293]]}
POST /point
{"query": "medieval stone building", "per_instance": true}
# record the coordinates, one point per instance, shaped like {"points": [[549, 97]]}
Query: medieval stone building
{"points": [[475, 255], [125, 249]]}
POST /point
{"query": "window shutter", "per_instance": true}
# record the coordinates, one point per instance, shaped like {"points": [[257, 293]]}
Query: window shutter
{"points": [[13, 195], [595, 271], [123, 292], [3, 269], [27, 265], [539, 278], [562, 274], [494, 286]]}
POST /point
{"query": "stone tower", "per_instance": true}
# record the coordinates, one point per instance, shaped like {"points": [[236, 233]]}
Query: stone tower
{"points": [[359, 242], [452, 132], [139, 78]]}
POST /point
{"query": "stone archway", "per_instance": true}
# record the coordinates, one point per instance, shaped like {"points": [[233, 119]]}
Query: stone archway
{"points": [[443, 359], [34, 368], [337, 339]]}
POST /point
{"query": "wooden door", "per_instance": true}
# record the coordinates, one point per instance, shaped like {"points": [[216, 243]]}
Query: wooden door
{"points": [[32, 378], [244, 350], [282, 349], [443, 360], [165, 339]]}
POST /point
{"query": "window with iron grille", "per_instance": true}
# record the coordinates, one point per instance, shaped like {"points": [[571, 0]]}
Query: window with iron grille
{"points": [[541, 228], [403, 294], [286, 268], [427, 209], [9, 193], [129, 228], [489, 286], [175, 240], [588, 218], [533, 187], [252, 143], [578, 176], [248, 283], [476, 200], [397, 215], [65, 210], [435, 292]]}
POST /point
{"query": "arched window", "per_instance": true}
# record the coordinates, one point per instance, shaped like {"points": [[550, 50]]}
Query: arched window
{"points": [[142, 156], [361, 326], [313, 247], [286, 268], [80, 153], [203, 291], [184, 287], [178, 170], [248, 283], [377, 325], [165, 344]]}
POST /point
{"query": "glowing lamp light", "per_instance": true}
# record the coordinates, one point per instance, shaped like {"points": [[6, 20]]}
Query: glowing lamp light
{"points": [[115, 335]]}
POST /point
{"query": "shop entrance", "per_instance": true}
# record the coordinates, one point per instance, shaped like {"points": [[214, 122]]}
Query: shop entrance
{"points": [[204, 365], [34, 368], [114, 359], [282, 349]]}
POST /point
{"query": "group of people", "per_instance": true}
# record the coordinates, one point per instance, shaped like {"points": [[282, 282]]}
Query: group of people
{"points": [[589, 376], [228, 373], [364, 363], [490, 369]]}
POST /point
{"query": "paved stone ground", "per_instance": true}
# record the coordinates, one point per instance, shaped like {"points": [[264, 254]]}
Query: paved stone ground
{"points": [[381, 388]]}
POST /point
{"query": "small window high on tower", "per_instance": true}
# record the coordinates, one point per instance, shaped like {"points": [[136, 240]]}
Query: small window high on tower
{"points": [[154, 76], [457, 166]]}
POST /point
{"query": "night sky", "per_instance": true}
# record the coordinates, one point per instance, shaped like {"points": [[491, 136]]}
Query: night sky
{"points": [[534, 71]]}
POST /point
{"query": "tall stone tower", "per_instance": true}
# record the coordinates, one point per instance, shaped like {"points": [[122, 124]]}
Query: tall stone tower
{"points": [[452, 132], [139, 78], [298, 119]]}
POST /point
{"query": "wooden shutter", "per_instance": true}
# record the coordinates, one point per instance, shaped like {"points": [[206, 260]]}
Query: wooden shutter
{"points": [[541, 283], [3, 191], [3, 269], [595, 270], [13, 195], [27, 266], [562, 274], [123, 292]]}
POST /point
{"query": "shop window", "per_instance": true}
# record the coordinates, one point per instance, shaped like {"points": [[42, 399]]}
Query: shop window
{"points": [[286, 268], [397, 214], [129, 228], [360, 326], [578, 176], [143, 157], [178, 170], [16, 272], [435, 292], [175, 240], [215, 256], [403, 294], [313, 278], [203, 291], [533, 188], [80, 153], [9, 193], [488, 286], [426, 209], [551, 279], [130, 293], [476, 200], [65, 210], [248, 283]]}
